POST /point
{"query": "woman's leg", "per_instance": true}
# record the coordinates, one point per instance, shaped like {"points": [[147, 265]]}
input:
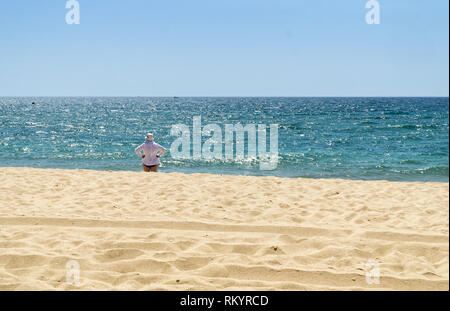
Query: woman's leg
{"points": [[154, 168], [146, 169]]}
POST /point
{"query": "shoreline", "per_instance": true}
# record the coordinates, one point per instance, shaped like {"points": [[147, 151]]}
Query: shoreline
{"points": [[175, 231], [224, 174]]}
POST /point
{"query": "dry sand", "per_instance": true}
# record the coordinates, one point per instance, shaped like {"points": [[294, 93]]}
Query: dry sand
{"points": [[146, 231]]}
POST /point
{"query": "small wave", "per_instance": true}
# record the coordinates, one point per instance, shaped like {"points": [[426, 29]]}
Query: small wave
{"points": [[414, 127], [432, 170]]}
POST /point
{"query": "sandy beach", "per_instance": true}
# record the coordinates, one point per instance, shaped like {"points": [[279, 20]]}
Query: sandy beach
{"points": [[170, 231]]}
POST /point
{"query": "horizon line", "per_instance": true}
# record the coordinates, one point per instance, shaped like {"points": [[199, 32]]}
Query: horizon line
{"points": [[236, 96]]}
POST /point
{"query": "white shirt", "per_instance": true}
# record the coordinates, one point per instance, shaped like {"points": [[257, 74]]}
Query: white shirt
{"points": [[150, 149]]}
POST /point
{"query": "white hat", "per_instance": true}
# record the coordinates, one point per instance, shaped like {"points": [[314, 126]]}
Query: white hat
{"points": [[149, 137]]}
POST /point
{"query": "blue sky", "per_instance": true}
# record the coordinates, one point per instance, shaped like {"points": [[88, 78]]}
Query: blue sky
{"points": [[224, 48]]}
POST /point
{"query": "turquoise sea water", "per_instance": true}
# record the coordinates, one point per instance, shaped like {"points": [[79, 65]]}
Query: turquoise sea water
{"points": [[401, 139]]}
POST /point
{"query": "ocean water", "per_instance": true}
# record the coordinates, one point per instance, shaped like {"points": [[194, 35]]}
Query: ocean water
{"points": [[398, 139]]}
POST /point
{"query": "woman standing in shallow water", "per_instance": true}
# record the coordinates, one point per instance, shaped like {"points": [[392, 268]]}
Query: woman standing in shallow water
{"points": [[152, 153]]}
